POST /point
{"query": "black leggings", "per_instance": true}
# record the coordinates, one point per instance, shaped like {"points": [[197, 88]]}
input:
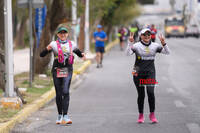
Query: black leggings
{"points": [[62, 86], [141, 91]]}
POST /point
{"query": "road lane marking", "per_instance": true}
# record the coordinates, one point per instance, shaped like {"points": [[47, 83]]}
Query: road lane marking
{"points": [[193, 127], [170, 90], [179, 104], [198, 60]]}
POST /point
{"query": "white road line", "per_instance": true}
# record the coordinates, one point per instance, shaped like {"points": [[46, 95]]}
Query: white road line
{"points": [[179, 104], [170, 90], [198, 60], [193, 127]]}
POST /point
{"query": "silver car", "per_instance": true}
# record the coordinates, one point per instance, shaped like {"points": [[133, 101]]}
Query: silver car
{"points": [[192, 30]]}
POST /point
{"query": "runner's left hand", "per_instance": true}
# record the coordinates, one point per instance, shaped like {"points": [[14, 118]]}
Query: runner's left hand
{"points": [[162, 39], [99, 39]]}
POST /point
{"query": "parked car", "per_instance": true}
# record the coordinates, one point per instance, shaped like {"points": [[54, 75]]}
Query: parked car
{"points": [[192, 30]]}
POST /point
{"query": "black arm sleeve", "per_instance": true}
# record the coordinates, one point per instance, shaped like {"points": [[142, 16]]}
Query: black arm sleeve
{"points": [[159, 49], [44, 52], [78, 52]]}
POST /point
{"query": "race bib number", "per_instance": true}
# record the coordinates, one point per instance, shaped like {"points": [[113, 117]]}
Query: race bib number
{"points": [[62, 72]]}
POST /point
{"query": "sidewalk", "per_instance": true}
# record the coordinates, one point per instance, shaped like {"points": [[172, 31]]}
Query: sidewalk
{"points": [[20, 56], [28, 110]]}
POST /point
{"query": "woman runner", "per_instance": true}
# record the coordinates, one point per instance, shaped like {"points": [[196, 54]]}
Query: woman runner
{"points": [[62, 71], [144, 74]]}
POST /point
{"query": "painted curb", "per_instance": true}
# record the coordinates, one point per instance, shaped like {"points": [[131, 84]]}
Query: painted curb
{"points": [[112, 44], [83, 67], [48, 96]]}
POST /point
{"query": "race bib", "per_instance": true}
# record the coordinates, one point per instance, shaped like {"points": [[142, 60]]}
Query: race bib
{"points": [[62, 72]]}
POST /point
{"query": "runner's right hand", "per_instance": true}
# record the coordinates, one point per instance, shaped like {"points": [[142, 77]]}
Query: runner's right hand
{"points": [[49, 47], [131, 37]]}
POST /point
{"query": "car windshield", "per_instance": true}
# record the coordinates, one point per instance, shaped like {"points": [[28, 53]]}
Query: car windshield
{"points": [[174, 22]]}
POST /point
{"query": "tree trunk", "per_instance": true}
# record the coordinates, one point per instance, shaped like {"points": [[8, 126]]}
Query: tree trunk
{"points": [[55, 15], [81, 38], [2, 53], [19, 40]]}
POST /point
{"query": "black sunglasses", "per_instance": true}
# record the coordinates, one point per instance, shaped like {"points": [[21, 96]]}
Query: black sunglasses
{"points": [[63, 32], [146, 34]]}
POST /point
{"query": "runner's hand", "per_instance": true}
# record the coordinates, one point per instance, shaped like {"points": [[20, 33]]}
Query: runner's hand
{"points": [[99, 39], [162, 39], [131, 37], [49, 47], [84, 57]]}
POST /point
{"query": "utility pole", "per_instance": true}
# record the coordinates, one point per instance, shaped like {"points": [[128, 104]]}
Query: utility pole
{"points": [[172, 3], [87, 42], [31, 44], [9, 87], [74, 19], [10, 100]]}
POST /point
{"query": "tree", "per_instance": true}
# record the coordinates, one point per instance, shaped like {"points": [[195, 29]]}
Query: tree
{"points": [[143, 2], [121, 12], [2, 57], [55, 14], [20, 17], [115, 12], [81, 39]]}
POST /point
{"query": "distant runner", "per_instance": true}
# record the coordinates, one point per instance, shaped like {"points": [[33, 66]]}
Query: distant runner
{"points": [[134, 29], [122, 37], [99, 37], [153, 33]]}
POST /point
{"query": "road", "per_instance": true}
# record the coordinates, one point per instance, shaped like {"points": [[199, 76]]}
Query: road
{"points": [[105, 101]]}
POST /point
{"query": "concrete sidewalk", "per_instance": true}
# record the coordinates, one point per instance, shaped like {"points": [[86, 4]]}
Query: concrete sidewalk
{"points": [[21, 60]]}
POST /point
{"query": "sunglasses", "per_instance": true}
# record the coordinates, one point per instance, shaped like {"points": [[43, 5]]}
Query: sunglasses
{"points": [[146, 34], [62, 32]]}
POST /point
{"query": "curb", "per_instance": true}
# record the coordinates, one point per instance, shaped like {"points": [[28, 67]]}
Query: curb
{"points": [[112, 44], [45, 98], [83, 67]]}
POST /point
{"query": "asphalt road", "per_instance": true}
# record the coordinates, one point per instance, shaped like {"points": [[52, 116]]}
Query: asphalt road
{"points": [[105, 101]]}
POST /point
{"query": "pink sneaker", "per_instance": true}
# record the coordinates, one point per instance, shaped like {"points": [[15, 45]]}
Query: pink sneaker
{"points": [[141, 118], [153, 118]]}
